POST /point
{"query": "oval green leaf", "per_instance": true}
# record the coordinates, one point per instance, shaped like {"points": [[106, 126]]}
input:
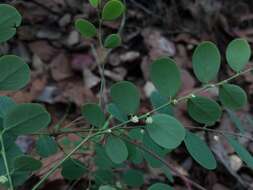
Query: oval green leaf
{"points": [[6, 103], [86, 28], [238, 54], [203, 110], [106, 187], [112, 10], [116, 149], [160, 186], [14, 73], [166, 131], [165, 75], [133, 178], [116, 112], [126, 96], [93, 114], [206, 61], [10, 19], [232, 96], [46, 146], [73, 169], [26, 118], [112, 41], [199, 151], [158, 100], [26, 164], [241, 151]]}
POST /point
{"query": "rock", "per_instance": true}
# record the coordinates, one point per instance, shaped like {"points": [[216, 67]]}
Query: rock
{"points": [[65, 20], [73, 38], [129, 56], [218, 186], [148, 89], [235, 162]]}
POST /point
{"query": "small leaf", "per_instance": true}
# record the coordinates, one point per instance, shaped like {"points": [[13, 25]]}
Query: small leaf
{"points": [[6, 104], [133, 178], [104, 177], [10, 18], [199, 151], [93, 114], [134, 154], [126, 96], [158, 100], [206, 61], [238, 54], [203, 110], [26, 118], [73, 169], [106, 187], [46, 146], [166, 131], [14, 73], [236, 120], [116, 113], [232, 96], [26, 164], [86, 28], [241, 151], [112, 41], [160, 186], [168, 173], [94, 3], [116, 149], [165, 75], [112, 10]]}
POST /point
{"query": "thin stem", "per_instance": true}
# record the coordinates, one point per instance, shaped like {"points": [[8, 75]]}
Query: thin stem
{"points": [[5, 162]]}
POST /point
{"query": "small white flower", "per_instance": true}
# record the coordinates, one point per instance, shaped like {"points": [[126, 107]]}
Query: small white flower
{"points": [[135, 119], [149, 120], [109, 131], [142, 131], [193, 95], [175, 101]]}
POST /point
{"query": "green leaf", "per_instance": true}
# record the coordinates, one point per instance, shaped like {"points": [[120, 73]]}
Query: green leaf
{"points": [[133, 178], [126, 96], [168, 173], [158, 100], [46, 146], [106, 187], [6, 104], [104, 177], [101, 159], [134, 154], [160, 186], [73, 169], [112, 41], [14, 73], [26, 164], [86, 28], [10, 18], [199, 151], [238, 54], [241, 151], [26, 118], [116, 112], [93, 114], [203, 110], [166, 131], [94, 3], [112, 10], [206, 61], [116, 149], [165, 75], [232, 96]]}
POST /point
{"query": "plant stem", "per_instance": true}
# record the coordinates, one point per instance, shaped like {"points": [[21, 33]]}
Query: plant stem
{"points": [[6, 162]]}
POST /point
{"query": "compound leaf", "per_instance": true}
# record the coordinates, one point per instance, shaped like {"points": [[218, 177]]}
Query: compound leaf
{"points": [[232, 96], [112, 10], [126, 96], [199, 151], [206, 61], [26, 118], [10, 18], [203, 110], [116, 149], [165, 75], [238, 54], [86, 28], [14, 73], [166, 131], [93, 114]]}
